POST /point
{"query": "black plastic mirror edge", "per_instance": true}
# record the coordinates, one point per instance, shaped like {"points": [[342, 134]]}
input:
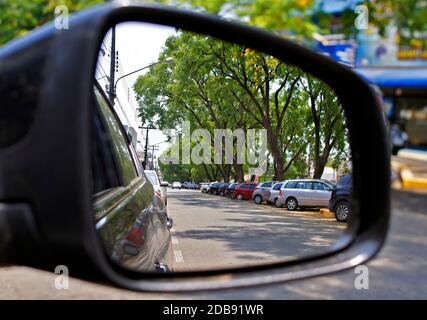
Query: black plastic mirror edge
{"points": [[70, 237]]}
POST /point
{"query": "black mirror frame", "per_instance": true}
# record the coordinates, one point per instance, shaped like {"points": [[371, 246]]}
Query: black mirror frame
{"points": [[69, 237]]}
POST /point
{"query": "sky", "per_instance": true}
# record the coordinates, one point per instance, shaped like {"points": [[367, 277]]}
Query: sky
{"points": [[138, 45]]}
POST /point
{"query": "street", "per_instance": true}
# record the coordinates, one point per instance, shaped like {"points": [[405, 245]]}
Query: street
{"points": [[217, 232], [398, 272]]}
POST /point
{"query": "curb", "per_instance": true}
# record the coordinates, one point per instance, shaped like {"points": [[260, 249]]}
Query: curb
{"points": [[327, 213], [411, 182]]}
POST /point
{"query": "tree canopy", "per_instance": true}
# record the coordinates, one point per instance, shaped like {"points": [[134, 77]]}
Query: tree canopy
{"points": [[217, 85]]}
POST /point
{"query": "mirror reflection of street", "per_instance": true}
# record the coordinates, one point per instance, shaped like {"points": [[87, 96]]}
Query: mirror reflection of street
{"points": [[210, 232]]}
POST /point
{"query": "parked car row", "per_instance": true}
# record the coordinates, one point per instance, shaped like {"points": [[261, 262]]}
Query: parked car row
{"points": [[292, 194]]}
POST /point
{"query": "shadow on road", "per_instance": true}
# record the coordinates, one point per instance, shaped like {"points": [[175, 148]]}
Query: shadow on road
{"points": [[260, 232]]}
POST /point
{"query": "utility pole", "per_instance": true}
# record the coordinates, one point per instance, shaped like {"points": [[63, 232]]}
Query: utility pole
{"points": [[146, 145], [111, 91]]}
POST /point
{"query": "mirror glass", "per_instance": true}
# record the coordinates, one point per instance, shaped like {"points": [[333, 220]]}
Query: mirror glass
{"points": [[211, 155]]}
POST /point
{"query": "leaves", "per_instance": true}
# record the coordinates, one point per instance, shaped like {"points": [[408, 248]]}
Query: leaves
{"points": [[218, 85], [17, 17]]}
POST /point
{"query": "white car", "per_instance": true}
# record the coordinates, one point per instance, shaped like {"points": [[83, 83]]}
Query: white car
{"points": [[204, 187], [159, 187], [176, 185]]}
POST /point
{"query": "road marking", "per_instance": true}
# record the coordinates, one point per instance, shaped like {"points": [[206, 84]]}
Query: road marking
{"points": [[178, 256], [174, 240]]}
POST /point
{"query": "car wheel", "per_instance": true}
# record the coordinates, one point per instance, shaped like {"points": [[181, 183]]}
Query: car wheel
{"points": [[239, 197], [342, 211], [258, 199], [221, 194], [291, 204], [277, 203]]}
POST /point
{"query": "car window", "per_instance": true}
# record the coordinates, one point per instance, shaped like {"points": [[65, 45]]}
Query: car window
{"points": [[120, 143], [300, 185], [104, 171], [244, 186], [152, 177], [320, 186], [252, 186], [277, 186], [267, 184], [308, 185], [291, 185]]}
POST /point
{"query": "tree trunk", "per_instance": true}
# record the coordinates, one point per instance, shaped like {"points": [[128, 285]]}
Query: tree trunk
{"points": [[238, 172], [319, 165]]}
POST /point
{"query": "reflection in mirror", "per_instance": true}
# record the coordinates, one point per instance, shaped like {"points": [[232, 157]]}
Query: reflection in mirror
{"points": [[210, 155]]}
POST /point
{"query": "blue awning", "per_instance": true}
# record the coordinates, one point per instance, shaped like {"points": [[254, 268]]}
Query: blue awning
{"points": [[395, 77], [336, 6]]}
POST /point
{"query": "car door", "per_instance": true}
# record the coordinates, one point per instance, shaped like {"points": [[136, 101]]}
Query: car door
{"points": [[321, 194], [266, 186], [123, 210], [243, 190], [303, 192]]}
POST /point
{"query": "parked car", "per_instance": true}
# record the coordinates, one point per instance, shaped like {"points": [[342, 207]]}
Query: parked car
{"points": [[213, 188], [186, 185], [244, 191], [159, 187], [230, 189], [204, 186], [133, 239], [274, 193], [262, 192], [176, 185], [305, 193], [222, 188], [340, 198]]}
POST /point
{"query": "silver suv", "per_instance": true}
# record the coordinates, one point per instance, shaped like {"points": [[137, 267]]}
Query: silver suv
{"points": [[305, 193]]}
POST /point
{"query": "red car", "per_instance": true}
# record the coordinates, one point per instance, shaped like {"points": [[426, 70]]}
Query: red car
{"points": [[244, 191]]}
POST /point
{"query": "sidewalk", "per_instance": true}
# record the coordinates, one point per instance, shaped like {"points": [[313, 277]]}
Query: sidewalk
{"points": [[410, 170]]}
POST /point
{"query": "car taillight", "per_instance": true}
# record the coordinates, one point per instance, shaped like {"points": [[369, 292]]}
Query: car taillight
{"points": [[159, 193]]}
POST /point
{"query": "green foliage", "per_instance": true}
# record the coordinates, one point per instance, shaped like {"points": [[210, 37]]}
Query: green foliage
{"points": [[218, 85], [17, 17]]}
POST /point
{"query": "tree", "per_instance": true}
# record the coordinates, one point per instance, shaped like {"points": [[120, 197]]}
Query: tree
{"points": [[214, 84], [329, 130], [17, 17]]}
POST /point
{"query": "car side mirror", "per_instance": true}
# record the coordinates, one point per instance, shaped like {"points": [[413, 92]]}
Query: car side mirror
{"points": [[49, 168]]}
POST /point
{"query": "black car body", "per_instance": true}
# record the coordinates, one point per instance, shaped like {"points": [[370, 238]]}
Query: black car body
{"points": [[214, 187], [130, 217], [222, 188], [340, 198]]}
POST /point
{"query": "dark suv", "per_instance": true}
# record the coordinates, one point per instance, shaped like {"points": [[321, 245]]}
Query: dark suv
{"points": [[340, 198]]}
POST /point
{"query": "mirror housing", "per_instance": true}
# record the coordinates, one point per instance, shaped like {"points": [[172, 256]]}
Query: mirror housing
{"points": [[70, 238]]}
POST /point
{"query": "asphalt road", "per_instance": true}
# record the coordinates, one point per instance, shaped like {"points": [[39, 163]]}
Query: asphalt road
{"points": [[398, 272], [213, 232]]}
